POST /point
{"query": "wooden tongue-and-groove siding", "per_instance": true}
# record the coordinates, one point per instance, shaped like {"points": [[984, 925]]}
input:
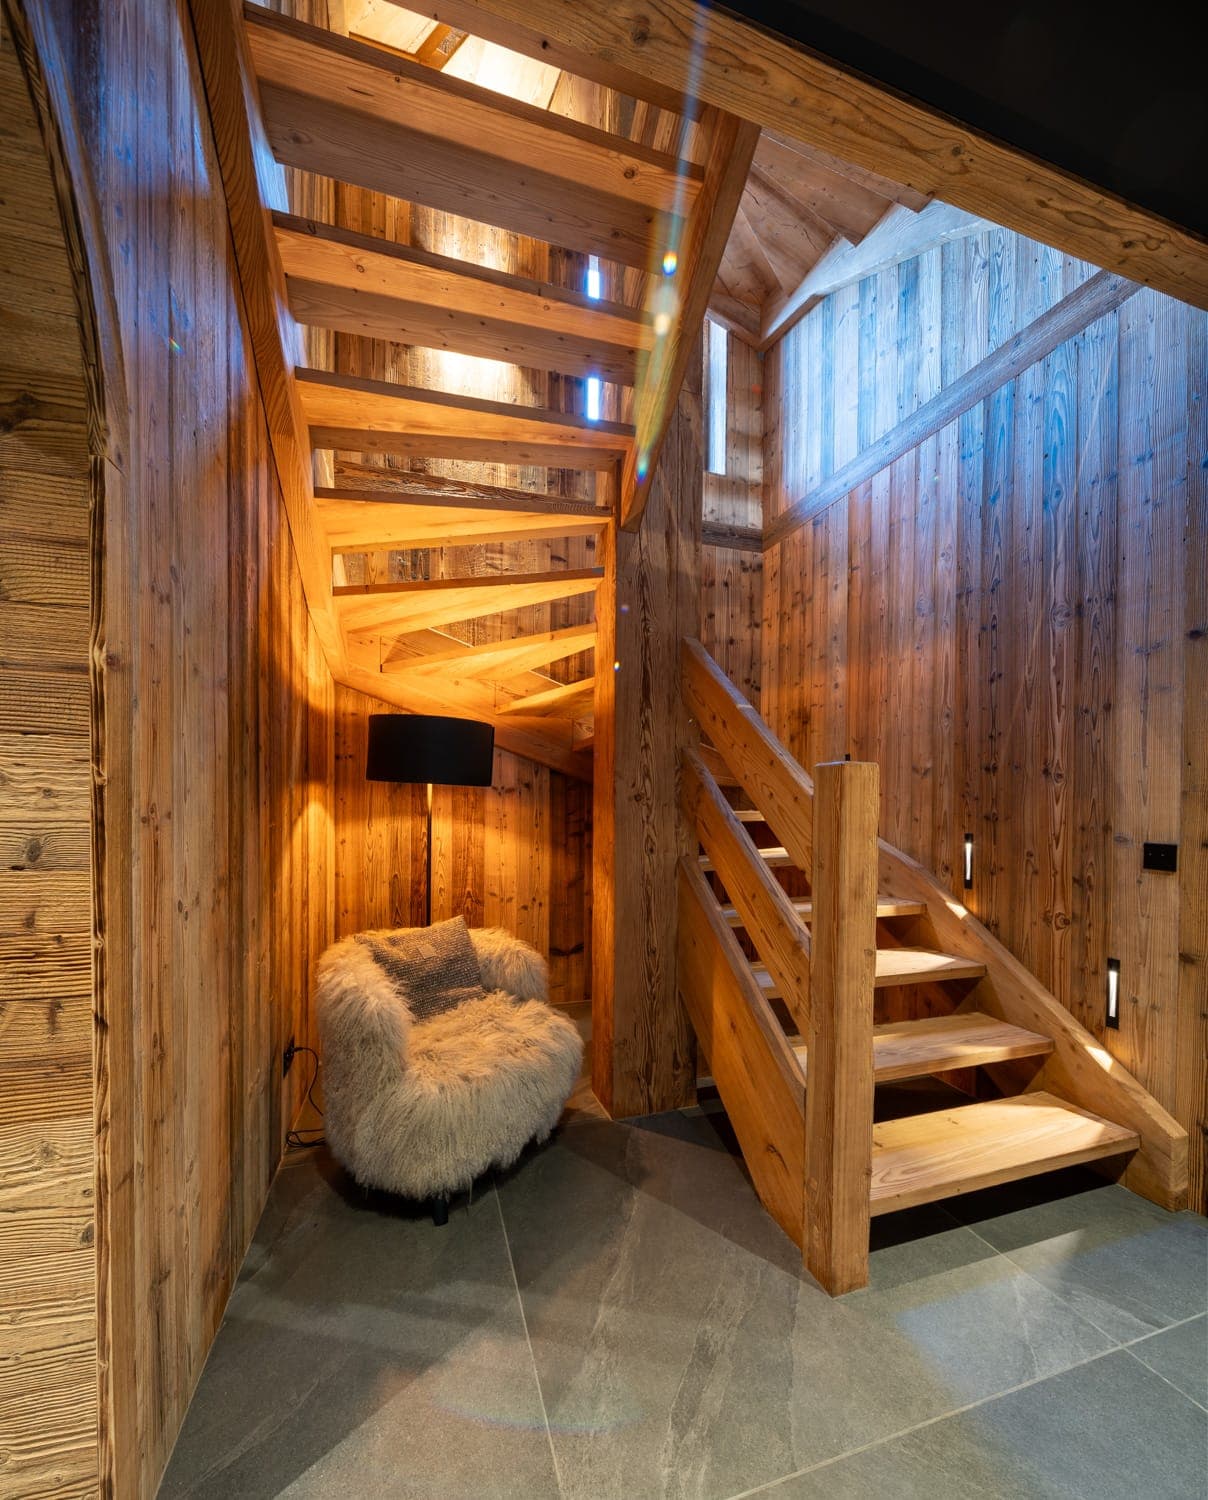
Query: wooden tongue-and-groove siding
{"points": [[213, 727], [1011, 621]]}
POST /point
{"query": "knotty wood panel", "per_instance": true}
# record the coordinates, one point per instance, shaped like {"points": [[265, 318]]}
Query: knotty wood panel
{"points": [[731, 578], [509, 855], [1008, 619], [211, 730], [48, 1279]]}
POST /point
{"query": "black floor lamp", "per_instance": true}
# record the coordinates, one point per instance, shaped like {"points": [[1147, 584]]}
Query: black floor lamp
{"points": [[432, 749]]}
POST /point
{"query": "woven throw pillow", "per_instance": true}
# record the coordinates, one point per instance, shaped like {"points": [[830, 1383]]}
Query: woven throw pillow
{"points": [[434, 969]]}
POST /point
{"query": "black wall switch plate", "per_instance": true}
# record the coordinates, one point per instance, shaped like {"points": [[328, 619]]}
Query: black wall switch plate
{"points": [[1160, 857]]}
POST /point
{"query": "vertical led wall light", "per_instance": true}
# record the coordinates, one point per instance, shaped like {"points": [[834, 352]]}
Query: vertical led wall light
{"points": [[1113, 993], [968, 861]]}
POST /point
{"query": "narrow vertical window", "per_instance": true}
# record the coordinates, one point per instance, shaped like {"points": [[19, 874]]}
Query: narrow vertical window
{"points": [[715, 396], [595, 389]]}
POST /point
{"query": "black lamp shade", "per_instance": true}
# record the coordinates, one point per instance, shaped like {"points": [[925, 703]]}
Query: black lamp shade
{"points": [[429, 747]]}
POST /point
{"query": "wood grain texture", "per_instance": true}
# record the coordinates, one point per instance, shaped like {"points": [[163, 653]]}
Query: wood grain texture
{"points": [[747, 1053], [1021, 619], [49, 1332], [650, 599], [838, 1103], [744, 70]]}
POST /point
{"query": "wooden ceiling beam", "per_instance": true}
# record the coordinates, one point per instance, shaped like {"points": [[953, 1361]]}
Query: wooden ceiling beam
{"points": [[356, 284], [1094, 299], [349, 110], [398, 608], [363, 526], [530, 41], [901, 235], [561, 700], [698, 255], [500, 660], [738, 67]]}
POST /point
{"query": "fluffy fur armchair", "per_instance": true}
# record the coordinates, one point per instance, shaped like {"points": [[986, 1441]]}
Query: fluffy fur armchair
{"points": [[423, 1106]]}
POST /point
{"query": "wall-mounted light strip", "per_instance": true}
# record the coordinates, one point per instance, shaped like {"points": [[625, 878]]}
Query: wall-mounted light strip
{"points": [[968, 861], [1113, 993]]}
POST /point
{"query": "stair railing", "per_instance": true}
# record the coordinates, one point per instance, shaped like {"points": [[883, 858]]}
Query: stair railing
{"points": [[825, 973]]}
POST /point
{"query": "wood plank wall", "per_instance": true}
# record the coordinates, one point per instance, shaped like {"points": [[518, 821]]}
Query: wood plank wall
{"points": [[1011, 621], [516, 854], [731, 582], [215, 742], [48, 1331]]}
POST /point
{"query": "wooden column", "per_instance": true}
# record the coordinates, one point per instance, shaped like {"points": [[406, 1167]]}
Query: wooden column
{"points": [[642, 1051], [839, 1079]]}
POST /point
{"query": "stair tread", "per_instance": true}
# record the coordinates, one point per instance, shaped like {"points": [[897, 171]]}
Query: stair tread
{"points": [[953, 1151], [901, 966], [937, 1044], [777, 855], [887, 906]]}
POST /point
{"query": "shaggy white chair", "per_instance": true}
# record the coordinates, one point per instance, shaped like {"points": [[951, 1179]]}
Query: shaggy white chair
{"points": [[440, 1056]]}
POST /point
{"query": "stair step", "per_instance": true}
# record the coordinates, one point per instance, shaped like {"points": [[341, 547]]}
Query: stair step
{"points": [[900, 966], [937, 1044], [887, 907], [953, 1151], [777, 857]]}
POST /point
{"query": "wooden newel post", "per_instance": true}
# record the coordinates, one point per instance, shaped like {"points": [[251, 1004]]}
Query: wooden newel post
{"points": [[839, 1068]]}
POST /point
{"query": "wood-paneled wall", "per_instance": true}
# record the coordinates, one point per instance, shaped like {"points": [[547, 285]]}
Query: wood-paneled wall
{"points": [[515, 854], [48, 1325], [1011, 620], [211, 731], [731, 581]]}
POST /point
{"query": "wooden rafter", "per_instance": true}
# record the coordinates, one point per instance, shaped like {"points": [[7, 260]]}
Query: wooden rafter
{"points": [[1095, 298], [397, 608], [753, 74], [698, 255], [354, 112], [361, 285]]}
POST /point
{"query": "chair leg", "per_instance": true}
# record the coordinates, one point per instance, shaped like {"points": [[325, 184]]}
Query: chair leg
{"points": [[440, 1209]]}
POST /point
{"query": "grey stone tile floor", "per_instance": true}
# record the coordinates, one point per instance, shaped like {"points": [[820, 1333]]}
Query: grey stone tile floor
{"points": [[618, 1319]]}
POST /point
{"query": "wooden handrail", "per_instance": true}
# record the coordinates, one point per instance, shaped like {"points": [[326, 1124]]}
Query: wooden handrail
{"points": [[769, 917], [839, 1099], [781, 789]]}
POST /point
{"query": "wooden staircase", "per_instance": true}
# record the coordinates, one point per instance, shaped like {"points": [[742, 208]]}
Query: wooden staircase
{"points": [[655, 205], [804, 1006]]}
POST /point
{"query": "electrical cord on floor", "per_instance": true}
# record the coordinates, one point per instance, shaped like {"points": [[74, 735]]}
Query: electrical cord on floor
{"points": [[296, 1138]]}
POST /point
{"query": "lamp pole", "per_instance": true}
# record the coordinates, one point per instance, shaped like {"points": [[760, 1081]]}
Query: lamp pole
{"points": [[428, 863]]}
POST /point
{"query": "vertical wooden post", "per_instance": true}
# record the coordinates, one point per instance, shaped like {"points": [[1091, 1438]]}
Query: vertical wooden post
{"points": [[643, 1058], [839, 1076]]}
